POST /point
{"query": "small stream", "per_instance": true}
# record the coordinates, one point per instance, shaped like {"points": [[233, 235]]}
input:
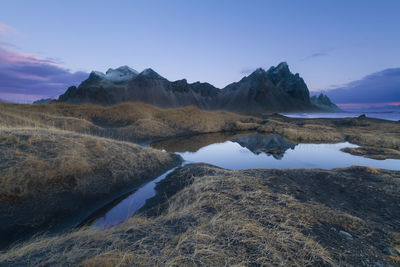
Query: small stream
{"points": [[241, 151], [130, 205]]}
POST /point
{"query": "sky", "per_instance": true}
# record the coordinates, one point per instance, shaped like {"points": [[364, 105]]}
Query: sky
{"points": [[46, 46], [377, 89]]}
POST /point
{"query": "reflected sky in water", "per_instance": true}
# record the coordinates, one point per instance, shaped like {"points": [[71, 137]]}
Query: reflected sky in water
{"points": [[236, 155], [127, 207], [231, 155]]}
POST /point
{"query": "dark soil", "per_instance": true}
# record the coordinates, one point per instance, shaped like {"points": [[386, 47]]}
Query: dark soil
{"points": [[367, 199]]}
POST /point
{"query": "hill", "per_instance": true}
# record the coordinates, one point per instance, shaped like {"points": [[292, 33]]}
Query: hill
{"points": [[69, 174], [208, 216]]}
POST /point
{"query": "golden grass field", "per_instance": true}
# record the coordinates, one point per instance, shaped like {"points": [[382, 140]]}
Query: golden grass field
{"points": [[140, 122], [126, 121]]}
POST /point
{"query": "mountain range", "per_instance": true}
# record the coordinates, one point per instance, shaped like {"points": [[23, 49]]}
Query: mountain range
{"points": [[276, 89]]}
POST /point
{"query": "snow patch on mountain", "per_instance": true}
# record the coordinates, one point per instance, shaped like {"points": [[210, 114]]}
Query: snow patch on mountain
{"points": [[118, 75], [98, 73]]}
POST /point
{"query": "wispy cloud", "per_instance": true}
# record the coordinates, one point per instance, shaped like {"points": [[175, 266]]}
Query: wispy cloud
{"points": [[316, 55], [25, 77], [9, 45]]}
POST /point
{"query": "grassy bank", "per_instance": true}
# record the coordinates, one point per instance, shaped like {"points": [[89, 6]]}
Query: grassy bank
{"points": [[126, 121], [50, 179], [141, 122], [210, 216], [361, 131]]}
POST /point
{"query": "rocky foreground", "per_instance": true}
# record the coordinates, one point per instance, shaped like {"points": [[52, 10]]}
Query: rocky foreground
{"points": [[205, 215]]}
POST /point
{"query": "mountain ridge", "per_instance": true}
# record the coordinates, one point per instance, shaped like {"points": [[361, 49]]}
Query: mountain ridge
{"points": [[275, 89], [324, 102]]}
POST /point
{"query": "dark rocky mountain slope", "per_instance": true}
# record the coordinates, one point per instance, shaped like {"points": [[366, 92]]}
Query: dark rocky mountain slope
{"points": [[322, 101], [262, 91], [43, 101]]}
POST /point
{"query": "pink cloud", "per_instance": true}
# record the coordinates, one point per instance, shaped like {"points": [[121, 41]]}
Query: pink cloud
{"points": [[21, 98], [5, 29], [16, 57], [26, 77], [380, 104]]}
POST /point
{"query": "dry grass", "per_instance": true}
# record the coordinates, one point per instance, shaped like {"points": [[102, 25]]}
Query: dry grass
{"points": [[241, 218], [305, 133], [253, 217], [142, 122], [33, 160], [380, 138], [378, 153], [67, 172], [127, 121]]}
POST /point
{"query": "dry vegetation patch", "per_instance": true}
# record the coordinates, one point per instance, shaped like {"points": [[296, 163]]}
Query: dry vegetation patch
{"points": [[68, 173], [126, 121], [51, 156], [142, 122], [210, 216]]}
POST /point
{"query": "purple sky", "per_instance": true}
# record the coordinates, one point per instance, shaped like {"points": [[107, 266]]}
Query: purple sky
{"points": [[378, 88], [46, 46], [26, 78]]}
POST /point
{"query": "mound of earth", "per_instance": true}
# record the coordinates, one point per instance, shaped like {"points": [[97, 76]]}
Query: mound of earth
{"points": [[52, 179], [204, 215]]}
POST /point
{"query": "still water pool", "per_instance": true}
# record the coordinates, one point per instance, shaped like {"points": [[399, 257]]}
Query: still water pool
{"points": [[242, 151], [231, 155]]}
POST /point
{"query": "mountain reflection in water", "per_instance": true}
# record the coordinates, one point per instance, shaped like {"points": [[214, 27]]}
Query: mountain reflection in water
{"points": [[271, 145], [251, 150], [274, 145], [243, 151]]}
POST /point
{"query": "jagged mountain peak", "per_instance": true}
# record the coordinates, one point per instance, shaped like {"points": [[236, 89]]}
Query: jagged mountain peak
{"points": [[259, 71], [97, 74], [122, 70], [283, 65], [255, 75], [282, 73], [118, 75], [150, 73], [323, 101], [282, 68]]}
